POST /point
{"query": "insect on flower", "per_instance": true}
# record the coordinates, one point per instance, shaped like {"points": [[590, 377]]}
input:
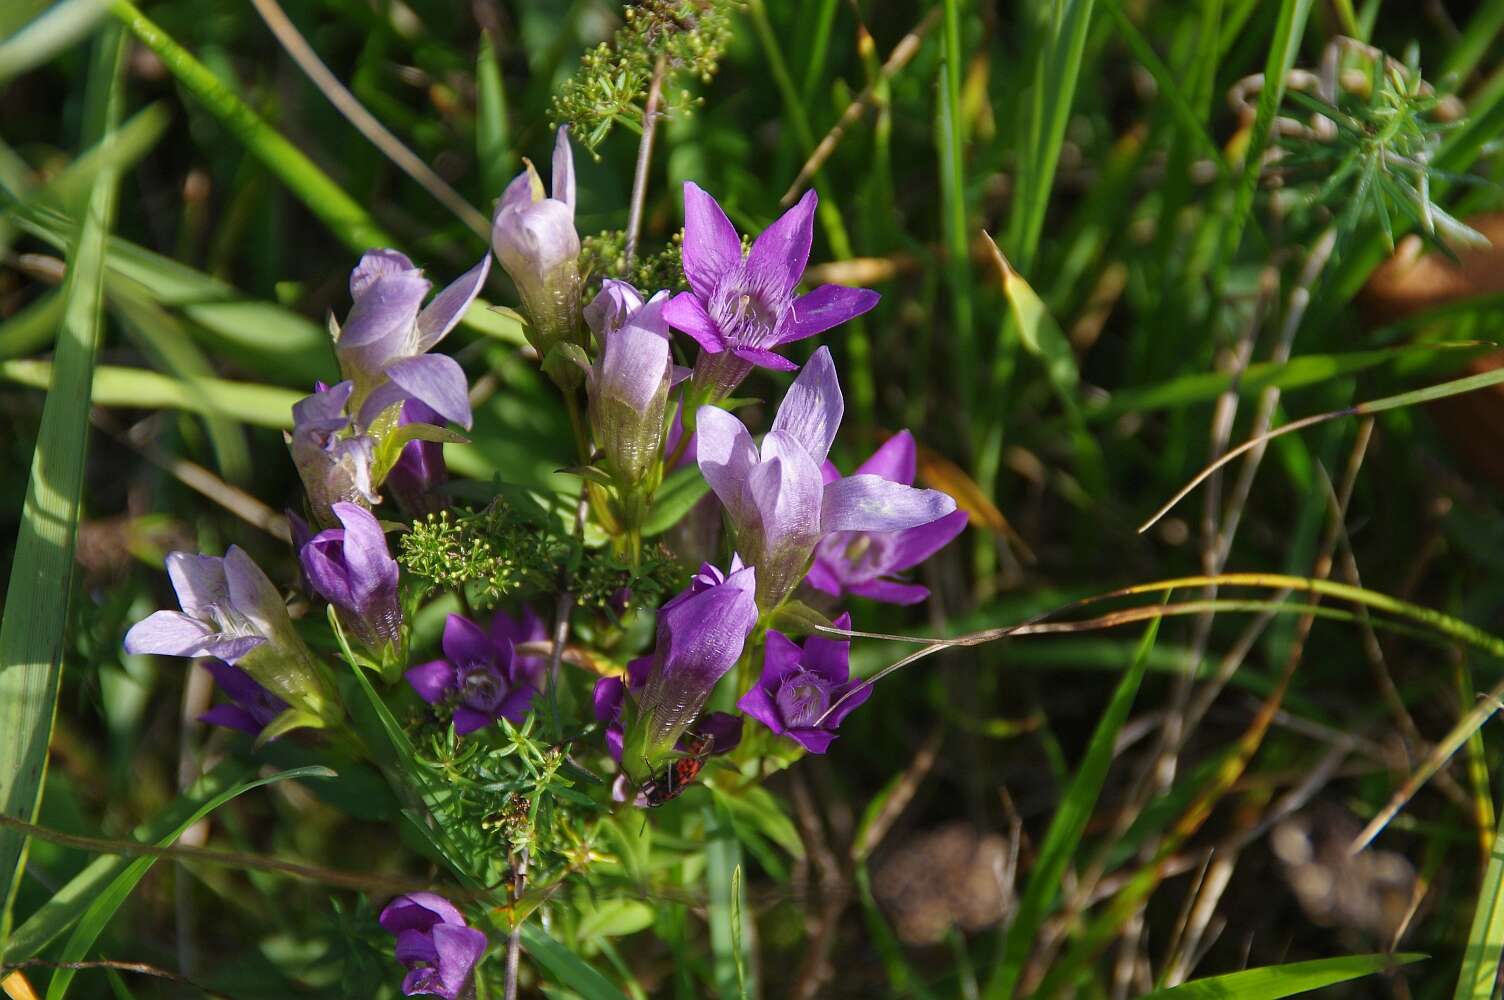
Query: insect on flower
{"points": [[680, 774]]}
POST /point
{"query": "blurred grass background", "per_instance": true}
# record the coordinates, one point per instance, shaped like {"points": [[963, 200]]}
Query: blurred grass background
{"points": [[1095, 142]]}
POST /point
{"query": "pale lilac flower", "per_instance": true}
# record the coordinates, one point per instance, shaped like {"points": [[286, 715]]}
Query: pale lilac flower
{"points": [[776, 498], [231, 611], [865, 562], [805, 693], [628, 385], [701, 633], [352, 569], [480, 676], [384, 343], [251, 707], [740, 309], [611, 693], [438, 948], [420, 469], [333, 459], [535, 240]]}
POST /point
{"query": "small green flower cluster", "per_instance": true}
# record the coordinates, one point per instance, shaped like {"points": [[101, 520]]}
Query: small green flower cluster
{"points": [[604, 255], [612, 84], [490, 554]]}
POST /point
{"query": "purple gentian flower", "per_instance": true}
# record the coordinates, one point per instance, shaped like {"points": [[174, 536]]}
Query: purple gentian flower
{"points": [[435, 944], [776, 498], [701, 633], [251, 707], [352, 569], [420, 469], [527, 627], [739, 309], [611, 693], [535, 240], [804, 693], [628, 386], [333, 460], [383, 345], [864, 562], [232, 612], [480, 675]]}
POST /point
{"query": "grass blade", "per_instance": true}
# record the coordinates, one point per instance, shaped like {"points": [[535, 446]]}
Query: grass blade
{"points": [[1485, 938], [1271, 982], [344, 216], [138, 388], [55, 30], [1068, 825], [36, 602], [97, 917], [562, 964]]}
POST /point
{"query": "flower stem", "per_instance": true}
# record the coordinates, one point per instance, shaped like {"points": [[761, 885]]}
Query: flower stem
{"points": [[644, 160]]}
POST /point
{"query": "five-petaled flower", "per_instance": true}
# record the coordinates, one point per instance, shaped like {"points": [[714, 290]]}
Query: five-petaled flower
{"points": [[435, 944], [481, 676], [865, 562], [775, 496], [741, 308], [805, 692], [352, 569], [384, 343]]}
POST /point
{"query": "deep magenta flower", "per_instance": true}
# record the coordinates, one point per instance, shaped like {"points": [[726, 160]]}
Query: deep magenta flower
{"points": [[480, 676], [865, 562], [535, 240], [352, 569], [740, 309], [420, 469], [628, 385], [701, 633], [776, 497], [724, 729], [332, 457], [438, 948], [384, 343], [251, 707], [805, 693]]}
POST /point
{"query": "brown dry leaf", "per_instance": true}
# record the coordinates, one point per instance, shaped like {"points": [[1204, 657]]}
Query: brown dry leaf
{"points": [[1412, 281]]}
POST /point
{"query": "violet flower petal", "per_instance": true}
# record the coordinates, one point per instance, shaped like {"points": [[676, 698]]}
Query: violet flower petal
{"points": [[894, 460], [812, 408], [433, 680], [687, 314], [167, 633], [466, 642], [823, 308], [449, 306], [439, 381], [871, 503], [781, 251], [711, 245]]}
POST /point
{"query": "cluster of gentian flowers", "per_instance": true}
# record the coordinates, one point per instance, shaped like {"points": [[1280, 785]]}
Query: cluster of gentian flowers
{"points": [[793, 517]]}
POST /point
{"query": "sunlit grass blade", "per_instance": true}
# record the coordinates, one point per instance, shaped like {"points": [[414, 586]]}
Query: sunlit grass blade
{"points": [[344, 216], [1068, 825], [951, 142], [1273, 982], [1479, 975], [1478, 37], [492, 145], [34, 630], [1415, 397], [33, 327], [138, 388], [102, 909], [58, 28], [723, 858]]}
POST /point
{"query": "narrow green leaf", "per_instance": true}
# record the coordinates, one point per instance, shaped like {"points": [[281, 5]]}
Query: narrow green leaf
{"points": [[33, 632], [565, 967], [261, 405], [98, 916], [1067, 826], [723, 856], [58, 28], [1271, 982], [33, 327], [492, 148], [344, 216], [1485, 938]]}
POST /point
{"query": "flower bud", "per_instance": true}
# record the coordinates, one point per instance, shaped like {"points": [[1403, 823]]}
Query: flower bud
{"points": [[333, 461], [628, 387], [352, 569], [535, 240]]}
